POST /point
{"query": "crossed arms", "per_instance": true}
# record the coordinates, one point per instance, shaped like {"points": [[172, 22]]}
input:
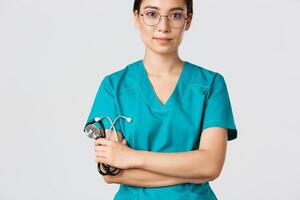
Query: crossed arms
{"points": [[163, 169]]}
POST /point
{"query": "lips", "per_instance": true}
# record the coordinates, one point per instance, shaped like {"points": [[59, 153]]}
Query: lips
{"points": [[162, 39]]}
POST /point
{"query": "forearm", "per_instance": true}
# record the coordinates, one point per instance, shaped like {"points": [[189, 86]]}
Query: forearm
{"points": [[142, 178], [193, 164]]}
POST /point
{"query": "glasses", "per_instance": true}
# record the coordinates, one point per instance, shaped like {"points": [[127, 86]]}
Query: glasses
{"points": [[175, 19]]}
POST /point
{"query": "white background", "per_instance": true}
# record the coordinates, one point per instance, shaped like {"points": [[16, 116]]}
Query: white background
{"points": [[53, 55]]}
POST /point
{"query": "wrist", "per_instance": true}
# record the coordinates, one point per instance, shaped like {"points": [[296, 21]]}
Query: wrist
{"points": [[137, 159]]}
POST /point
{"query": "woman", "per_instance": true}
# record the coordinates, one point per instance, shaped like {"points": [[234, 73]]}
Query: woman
{"points": [[181, 113]]}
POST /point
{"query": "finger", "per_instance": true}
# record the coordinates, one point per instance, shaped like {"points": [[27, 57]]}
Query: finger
{"points": [[100, 160], [100, 155], [102, 141], [98, 148]]}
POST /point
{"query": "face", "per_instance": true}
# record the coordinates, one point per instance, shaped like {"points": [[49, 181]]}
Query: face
{"points": [[164, 37]]}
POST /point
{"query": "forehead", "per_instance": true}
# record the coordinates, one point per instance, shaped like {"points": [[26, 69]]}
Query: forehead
{"points": [[164, 5]]}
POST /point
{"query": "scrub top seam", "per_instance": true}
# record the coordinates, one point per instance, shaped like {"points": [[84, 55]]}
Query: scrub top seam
{"points": [[125, 90], [215, 121], [199, 85]]}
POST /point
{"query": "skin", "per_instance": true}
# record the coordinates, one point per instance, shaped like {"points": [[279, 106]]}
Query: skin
{"points": [[162, 62], [154, 169]]}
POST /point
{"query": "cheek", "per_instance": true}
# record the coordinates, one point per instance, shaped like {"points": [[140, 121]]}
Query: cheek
{"points": [[146, 35], [179, 37]]}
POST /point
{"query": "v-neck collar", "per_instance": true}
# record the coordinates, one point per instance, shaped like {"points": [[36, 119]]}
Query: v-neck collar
{"points": [[149, 93]]}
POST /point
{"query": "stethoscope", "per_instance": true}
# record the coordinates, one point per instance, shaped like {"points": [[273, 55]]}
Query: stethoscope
{"points": [[95, 132]]}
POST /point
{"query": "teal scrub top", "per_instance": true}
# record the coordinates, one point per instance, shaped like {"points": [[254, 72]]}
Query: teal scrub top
{"points": [[199, 100]]}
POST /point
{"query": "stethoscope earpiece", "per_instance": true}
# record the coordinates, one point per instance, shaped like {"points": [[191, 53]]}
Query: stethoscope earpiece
{"points": [[128, 119]]}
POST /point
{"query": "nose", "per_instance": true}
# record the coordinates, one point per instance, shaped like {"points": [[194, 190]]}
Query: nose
{"points": [[163, 24]]}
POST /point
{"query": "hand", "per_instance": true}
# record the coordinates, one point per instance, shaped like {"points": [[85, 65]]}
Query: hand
{"points": [[114, 179], [114, 153]]}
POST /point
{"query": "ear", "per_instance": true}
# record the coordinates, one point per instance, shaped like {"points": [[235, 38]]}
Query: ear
{"points": [[189, 21], [135, 17]]}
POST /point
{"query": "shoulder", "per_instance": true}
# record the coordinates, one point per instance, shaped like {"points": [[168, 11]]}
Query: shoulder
{"points": [[122, 79], [203, 76]]}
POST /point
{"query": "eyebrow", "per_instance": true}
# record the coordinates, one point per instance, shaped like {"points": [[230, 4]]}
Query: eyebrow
{"points": [[156, 8]]}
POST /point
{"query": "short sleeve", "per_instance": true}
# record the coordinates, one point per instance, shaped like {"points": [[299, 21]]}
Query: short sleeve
{"points": [[104, 104], [218, 111]]}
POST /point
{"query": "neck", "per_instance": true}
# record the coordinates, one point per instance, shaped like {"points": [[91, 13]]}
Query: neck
{"points": [[162, 64]]}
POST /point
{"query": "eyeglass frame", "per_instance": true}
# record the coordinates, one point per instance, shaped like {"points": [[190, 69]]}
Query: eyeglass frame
{"points": [[142, 14]]}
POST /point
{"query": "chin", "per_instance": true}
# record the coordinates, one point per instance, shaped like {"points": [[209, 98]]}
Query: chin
{"points": [[162, 49]]}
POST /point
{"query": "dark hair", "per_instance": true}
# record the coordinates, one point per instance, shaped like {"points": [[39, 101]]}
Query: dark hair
{"points": [[137, 5]]}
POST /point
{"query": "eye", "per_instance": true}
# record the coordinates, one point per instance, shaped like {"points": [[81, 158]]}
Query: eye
{"points": [[151, 14], [176, 16]]}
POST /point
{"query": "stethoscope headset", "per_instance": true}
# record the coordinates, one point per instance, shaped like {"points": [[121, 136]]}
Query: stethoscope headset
{"points": [[95, 132]]}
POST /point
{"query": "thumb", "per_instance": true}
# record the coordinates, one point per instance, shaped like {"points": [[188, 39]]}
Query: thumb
{"points": [[124, 141]]}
